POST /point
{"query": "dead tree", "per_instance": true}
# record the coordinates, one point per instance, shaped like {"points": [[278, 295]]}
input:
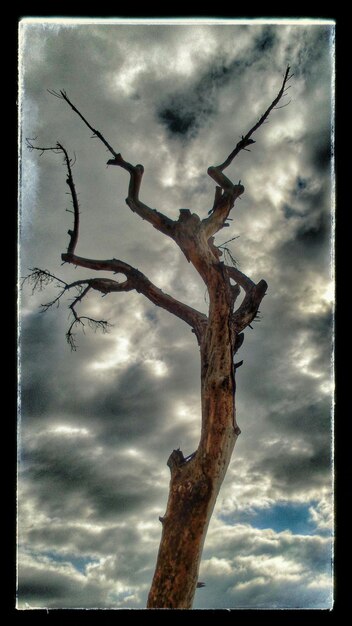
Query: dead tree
{"points": [[195, 480]]}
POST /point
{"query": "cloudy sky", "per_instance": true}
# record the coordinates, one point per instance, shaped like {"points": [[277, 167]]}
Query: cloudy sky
{"points": [[97, 425]]}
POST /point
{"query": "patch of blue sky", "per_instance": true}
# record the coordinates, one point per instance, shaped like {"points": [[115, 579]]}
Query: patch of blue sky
{"points": [[281, 516], [79, 562]]}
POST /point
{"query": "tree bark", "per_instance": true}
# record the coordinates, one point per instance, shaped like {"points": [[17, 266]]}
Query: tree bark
{"points": [[195, 483]]}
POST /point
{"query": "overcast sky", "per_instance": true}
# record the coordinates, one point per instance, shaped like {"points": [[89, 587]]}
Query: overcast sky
{"points": [[97, 425]]}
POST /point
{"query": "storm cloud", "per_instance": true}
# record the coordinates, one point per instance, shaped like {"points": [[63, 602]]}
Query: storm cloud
{"points": [[97, 425]]}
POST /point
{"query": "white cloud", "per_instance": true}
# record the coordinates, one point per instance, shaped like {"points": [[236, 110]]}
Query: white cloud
{"points": [[266, 569], [322, 514]]}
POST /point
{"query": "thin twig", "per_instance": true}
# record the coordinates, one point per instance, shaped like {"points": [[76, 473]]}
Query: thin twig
{"points": [[246, 139], [283, 106], [95, 132], [228, 241]]}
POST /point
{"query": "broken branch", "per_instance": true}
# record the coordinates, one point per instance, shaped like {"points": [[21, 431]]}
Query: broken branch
{"points": [[224, 204], [247, 311], [246, 283]]}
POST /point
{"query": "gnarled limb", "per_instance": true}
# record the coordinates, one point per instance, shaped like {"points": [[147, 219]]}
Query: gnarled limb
{"points": [[217, 196], [135, 280], [138, 281], [158, 220]]}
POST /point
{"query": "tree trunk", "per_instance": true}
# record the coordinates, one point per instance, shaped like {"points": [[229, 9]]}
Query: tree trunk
{"points": [[196, 480]]}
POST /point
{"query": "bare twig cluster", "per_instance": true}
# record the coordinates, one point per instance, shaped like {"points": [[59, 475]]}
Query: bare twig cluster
{"points": [[228, 256], [39, 279]]}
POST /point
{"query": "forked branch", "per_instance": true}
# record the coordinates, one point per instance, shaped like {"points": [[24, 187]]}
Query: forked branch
{"points": [[139, 282], [134, 280], [102, 325], [158, 220], [224, 201]]}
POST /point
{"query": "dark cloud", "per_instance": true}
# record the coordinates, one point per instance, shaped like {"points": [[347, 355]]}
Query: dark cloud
{"points": [[41, 589], [176, 120], [184, 112], [313, 419], [309, 242], [290, 212], [83, 539], [315, 233], [289, 469], [266, 40], [43, 586], [70, 482], [323, 155], [130, 404]]}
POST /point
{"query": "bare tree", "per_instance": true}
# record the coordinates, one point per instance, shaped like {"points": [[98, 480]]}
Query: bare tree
{"points": [[196, 479]]}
